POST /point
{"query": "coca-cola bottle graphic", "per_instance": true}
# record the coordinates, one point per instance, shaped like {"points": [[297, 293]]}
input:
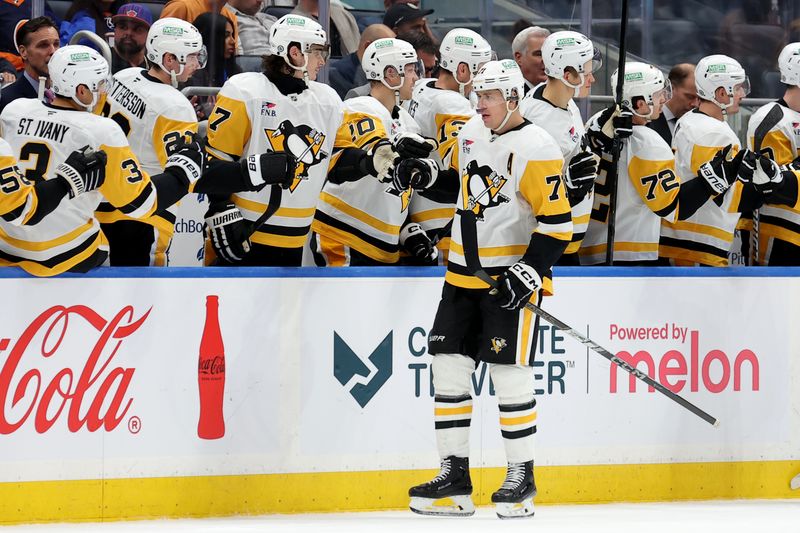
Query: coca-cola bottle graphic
{"points": [[211, 375]]}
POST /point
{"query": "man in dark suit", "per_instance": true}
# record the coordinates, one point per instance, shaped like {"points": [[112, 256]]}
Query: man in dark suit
{"points": [[684, 99], [36, 41]]}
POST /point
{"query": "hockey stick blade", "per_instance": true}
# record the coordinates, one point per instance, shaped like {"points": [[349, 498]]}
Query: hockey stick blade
{"points": [[486, 278], [770, 120], [795, 483]]}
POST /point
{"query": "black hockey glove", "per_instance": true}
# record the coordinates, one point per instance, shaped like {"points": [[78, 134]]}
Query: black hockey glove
{"points": [[516, 285], [380, 160], [84, 170], [228, 232], [413, 145], [273, 168], [722, 170], [580, 175], [188, 159], [415, 241], [415, 173], [768, 176]]}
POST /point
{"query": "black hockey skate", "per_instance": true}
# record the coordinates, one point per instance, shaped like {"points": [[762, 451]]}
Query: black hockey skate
{"points": [[514, 498], [448, 494]]}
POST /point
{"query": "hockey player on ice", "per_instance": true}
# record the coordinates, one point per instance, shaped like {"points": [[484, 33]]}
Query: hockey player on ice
{"points": [[570, 59], [500, 153], [440, 107], [649, 188], [366, 223]]}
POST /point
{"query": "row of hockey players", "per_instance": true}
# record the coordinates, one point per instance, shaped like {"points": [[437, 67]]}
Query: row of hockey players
{"points": [[297, 137]]}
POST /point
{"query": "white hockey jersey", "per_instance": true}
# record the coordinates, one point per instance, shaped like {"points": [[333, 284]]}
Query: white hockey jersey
{"points": [[440, 115], [154, 116], [783, 141], [367, 214], [18, 199], [706, 237], [251, 116], [42, 136], [514, 181], [566, 128], [647, 189]]}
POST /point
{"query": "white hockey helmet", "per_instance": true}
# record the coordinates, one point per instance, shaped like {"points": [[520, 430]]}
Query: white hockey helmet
{"points": [[461, 45], [789, 64], [388, 52], [298, 29], [570, 49], [715, 71], [504, 76], [177, 37], [642, 81], [74, 65]]}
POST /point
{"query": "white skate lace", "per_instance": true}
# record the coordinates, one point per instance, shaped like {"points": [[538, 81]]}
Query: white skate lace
{"points": [[443, 473], [514, 477]]}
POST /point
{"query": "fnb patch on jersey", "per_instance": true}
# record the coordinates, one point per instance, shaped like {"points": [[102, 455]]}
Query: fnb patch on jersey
{"points": [[268, 109]]}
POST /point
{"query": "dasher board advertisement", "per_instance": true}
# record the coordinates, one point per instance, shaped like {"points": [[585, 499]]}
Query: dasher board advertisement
{"points": [[326, 370]]}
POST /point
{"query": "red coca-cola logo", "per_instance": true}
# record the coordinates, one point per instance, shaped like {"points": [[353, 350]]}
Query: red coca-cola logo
{"points": [[212, 365], [99, 385]]}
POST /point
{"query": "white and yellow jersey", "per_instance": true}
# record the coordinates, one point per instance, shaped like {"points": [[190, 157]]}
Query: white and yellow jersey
{"points": [[155, 117], [366, 215], [440, 114], [514, 181], [18, 199], [648, 190], [251, 116], [42, 136], [706, 237], [783, 142], [567, 129]]}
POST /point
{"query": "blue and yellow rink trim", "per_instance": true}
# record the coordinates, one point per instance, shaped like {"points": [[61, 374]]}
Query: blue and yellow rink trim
{"points": [[204, 496]]}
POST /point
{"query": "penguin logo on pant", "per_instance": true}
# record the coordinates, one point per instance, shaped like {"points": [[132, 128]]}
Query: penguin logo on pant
{"points": [[480, 188], [304, 142]]}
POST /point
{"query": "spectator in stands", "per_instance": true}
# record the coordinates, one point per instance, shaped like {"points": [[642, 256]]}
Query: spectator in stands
{"points": [[404, 18], [253, 26], [189, 10], [369, 20], [217, 32], [684, 99], [12, 15], [346, 73], [131, 24], [527, 48], [90, 15], [344, 34], [8, 74], [37, 40], [426, 47]]}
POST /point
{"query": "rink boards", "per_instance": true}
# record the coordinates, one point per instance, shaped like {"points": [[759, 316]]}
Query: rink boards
{"points": [[328, 404]]}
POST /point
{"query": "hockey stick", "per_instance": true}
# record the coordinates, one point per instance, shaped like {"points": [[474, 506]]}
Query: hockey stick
{"points": [[794, 484], [613, 173], [771, 120], [469, 234]]}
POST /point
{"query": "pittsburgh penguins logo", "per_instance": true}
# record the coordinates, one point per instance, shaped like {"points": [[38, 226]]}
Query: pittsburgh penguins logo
{"points": [[405, 196], [498, 343], [304, 142], [481, 188]]}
